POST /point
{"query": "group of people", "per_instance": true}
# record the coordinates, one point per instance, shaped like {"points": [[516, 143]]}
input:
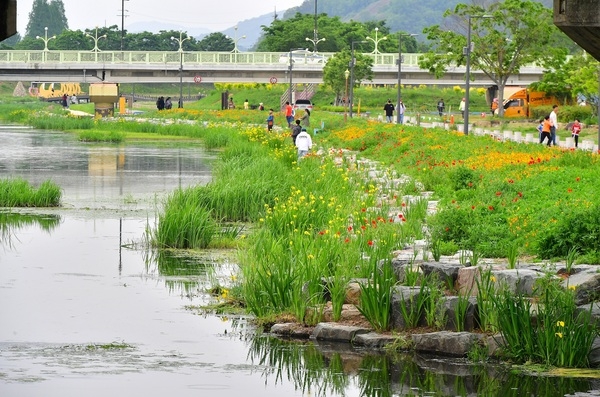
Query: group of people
{"points": [[164, 104], [441, 107], [300, 137], [549, 124], [389, 109]]}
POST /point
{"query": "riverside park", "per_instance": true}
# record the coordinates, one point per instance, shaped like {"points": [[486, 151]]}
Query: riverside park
{"points": [[189, 247]]}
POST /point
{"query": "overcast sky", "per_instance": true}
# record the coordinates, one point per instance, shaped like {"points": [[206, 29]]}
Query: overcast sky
{"points": [[213, 15]]}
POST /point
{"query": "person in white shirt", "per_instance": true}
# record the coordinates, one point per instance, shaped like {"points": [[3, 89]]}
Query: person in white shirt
{"points": [[461, 106], [553, 124], [303, 143], [400, 110]]}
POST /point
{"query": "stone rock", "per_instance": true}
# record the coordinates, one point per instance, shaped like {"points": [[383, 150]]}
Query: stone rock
{"points": [[349, 314], [466, 282], [403, 267], [448, 308], [353, 293], [444, 271], [293, 330], [594, 356], [518, 281], [373, 340], [337, 332], [406, 297], [455, 344], [587, 285]]}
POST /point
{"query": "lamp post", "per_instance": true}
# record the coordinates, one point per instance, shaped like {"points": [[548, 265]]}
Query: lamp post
{"points": [[352, 63], [467, 51], [315, 42], [180, 41], [346, 75], [96, 38], [398, 118], [376, 41], [235, 40], [46, 39], [123, 22], [291, 66]]}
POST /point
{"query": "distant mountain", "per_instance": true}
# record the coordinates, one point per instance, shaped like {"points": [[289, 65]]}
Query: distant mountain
{"points": [[405, 15]]}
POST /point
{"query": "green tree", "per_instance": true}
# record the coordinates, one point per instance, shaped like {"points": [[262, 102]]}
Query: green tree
{"points": [[50, 15], [334, 72], [216, 41], [517, 32], [283, 35]]}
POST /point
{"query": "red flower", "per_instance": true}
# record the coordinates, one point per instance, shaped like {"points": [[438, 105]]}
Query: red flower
{"points": [[453, 201], [347, 240], [363, 227], [569, 190], [370, 242], [472, 207], [349, 228], [578, 179], [404, 204], [447, 229], [491, 208], [511, 181], [519, 194], [498, 193], [321, 232], [364, 210]]}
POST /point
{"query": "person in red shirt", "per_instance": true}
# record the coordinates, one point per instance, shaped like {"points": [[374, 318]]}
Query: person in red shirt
{"points": [[289, 114], [575, 130]]}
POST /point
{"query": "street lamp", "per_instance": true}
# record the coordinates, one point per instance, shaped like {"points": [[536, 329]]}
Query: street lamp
{"points": [[123, 22], [290, 68], [398, 116], [235, 40], [346, 75], [376, 41], [96, 38], [46, 40], [315, 42], [352, 63], [467, 51], [180, 41]]}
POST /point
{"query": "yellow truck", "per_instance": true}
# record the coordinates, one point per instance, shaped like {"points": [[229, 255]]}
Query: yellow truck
{"points": [[522, 100]]}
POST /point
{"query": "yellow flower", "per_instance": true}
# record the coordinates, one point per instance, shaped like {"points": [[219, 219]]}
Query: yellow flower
{"points": [[493, 279], [560, 324], [572, 287], [559, 334]]}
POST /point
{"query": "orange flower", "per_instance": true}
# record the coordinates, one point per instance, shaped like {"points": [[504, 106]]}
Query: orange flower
{"points": [[491, 208]]}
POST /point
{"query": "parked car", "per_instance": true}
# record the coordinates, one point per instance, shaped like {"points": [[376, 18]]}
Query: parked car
{"points": [[302, 104], [301, 57]]}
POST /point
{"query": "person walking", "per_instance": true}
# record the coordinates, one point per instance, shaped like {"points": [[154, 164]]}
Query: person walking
{"points": [[546, 130], [270, 120], [554, 123], [289, 113], [389, 111], [441, 106], [246, 104], [401, 108], [303, 143], [575, 130], [296, 129]]}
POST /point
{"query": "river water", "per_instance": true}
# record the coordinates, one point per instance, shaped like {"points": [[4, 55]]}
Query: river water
{"points": [[86, 309]]}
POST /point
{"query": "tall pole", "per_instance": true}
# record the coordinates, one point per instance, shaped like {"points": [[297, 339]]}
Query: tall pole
{"points": [[352, 63], [122, 22], [468, 77], [291, 66], [180, 41], [400, 72], [346, 74], [316, 34], [46, 40], [467, 51]]}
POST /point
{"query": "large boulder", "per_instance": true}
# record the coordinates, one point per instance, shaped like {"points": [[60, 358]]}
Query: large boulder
{"points": [[455, 344]]}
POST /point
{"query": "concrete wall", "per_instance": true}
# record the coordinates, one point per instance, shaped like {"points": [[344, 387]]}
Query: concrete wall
{"points": [[580, 20]]}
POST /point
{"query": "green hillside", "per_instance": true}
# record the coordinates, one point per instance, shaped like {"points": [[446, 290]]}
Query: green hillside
{"points": [[405, 15]]}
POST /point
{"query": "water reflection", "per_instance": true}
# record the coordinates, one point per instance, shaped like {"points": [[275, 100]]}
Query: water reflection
{"points": [[320, 370], [11, 222]]}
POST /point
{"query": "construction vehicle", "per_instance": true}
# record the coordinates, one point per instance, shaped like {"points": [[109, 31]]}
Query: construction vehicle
{"points": [[520, 101], [55, 91]]}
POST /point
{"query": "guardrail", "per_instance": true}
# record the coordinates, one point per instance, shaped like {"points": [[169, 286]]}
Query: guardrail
{"points": [[194, 57]]}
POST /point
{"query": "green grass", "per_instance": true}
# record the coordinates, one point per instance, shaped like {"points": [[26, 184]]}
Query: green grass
{"points": [[19, 193]]}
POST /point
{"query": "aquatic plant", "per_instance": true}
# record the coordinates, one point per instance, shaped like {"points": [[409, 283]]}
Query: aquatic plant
{"points": [[17, 192]]}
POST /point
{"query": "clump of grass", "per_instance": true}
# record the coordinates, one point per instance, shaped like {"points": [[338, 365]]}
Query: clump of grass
{"points": [[184, 223], [102, 136], [18, 192], [376, 296]]}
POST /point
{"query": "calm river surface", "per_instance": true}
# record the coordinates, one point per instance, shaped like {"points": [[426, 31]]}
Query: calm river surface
{"points": [[86, 310]]}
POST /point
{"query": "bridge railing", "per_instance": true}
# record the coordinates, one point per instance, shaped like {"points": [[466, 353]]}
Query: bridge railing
{"points": [[192, 57]]}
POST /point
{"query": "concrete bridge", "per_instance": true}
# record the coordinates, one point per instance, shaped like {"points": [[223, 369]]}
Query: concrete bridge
{"points": [[217, 67]]}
